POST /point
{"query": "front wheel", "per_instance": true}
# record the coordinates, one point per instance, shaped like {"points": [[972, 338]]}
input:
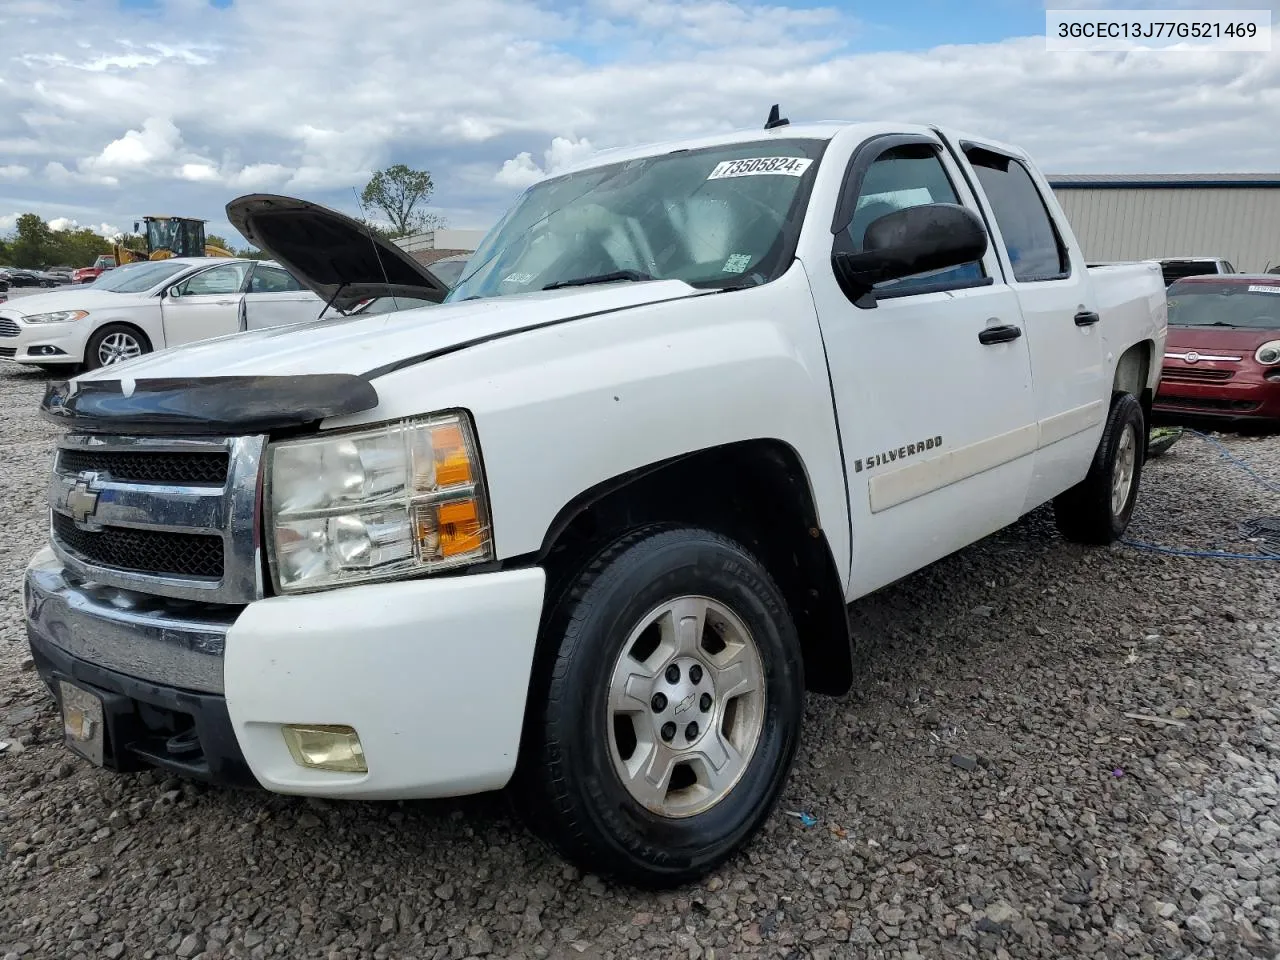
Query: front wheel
{"points": [[1098, 509], [115, 343], [666, 709]]}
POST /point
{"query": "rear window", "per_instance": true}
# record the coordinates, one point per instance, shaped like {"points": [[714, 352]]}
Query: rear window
{"points": [[1207, 304], [1175, 270]]}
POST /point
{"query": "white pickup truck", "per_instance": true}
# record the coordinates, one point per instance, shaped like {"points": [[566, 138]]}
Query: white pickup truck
{"points": [[590, 528]]}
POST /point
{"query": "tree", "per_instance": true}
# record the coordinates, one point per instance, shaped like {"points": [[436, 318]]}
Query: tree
{"points": [[398, 191], [31, 242], [76, 248], [213, 240]]}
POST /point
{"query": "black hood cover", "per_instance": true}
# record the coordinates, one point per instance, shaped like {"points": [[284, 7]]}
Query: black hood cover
{"points": [[336, 256], [205, 405]]}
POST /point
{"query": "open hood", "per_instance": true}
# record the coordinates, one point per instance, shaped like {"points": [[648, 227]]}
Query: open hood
{"points": [[334, 255]]}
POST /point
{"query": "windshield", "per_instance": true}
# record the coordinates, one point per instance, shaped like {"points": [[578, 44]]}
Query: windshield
{"points": [[720, 216], [448, 271], [1208, 304], [135, 278]]}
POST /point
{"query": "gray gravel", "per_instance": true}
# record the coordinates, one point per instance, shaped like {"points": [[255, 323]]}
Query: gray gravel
{"points": [[982, 794]]}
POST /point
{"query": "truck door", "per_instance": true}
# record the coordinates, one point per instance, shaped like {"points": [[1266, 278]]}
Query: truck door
{"points": [[206, 304], [1063, 321], [275, 298], [931, 378]]}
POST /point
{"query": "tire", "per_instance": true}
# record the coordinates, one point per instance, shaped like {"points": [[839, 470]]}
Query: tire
{"points": [[607, 653], [1098, 509], [114, 334]]}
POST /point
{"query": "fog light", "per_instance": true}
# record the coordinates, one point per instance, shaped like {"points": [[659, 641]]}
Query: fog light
{"points": [[325, 747]]}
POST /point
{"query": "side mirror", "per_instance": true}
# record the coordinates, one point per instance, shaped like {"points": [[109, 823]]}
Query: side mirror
{"points": [[173, 292], [931, 236]]}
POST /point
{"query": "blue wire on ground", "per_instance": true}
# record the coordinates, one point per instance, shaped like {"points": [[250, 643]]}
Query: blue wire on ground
{"points": [[1214, 554]]}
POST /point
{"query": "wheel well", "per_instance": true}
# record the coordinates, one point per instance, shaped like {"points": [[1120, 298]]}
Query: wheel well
{"points": [[116, 324], [755, 492], [1132, 372]]}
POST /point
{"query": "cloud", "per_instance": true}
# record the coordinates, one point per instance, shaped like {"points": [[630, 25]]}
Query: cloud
{"points": [[8, 221], [190, 106], [14, 171], [66, 223], [520, 171]]}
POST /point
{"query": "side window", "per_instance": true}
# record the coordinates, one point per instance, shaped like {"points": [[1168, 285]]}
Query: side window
{"points": [[272, 280], [902, 177], [1031, 238], [227, 279]]}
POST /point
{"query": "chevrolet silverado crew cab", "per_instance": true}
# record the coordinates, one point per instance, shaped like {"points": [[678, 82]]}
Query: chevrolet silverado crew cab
{"points": [[589, 528]]}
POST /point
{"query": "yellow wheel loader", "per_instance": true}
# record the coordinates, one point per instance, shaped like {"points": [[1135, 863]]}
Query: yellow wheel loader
{"points": [[167, 237]]}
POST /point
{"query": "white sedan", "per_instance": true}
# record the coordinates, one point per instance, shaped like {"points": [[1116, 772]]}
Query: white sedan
{"points": [[148, 306]]}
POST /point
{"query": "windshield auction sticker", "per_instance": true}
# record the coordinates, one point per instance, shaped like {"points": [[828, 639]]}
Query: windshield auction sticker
{"points": [[1263, 288], [760, 166]]}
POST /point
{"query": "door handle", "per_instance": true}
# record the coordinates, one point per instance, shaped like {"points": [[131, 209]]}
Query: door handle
{"points": [[1001, 334], [225, 303], [1086, 318]]}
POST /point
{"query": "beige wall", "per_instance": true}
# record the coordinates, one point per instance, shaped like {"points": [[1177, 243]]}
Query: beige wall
{"points": [[1242, 225]]}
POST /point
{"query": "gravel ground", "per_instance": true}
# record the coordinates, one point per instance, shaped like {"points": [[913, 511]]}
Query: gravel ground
{"points": [[986, 792]]}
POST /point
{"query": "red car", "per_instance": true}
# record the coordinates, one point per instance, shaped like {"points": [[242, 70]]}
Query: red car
{"points": [[90, 274], [1222, 358]]}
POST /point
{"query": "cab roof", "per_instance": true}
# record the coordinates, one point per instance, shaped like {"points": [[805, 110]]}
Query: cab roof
{"points": [[815, 130]]}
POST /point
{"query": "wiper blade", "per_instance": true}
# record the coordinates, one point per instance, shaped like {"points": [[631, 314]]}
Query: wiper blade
{"points": [[636, 276]]}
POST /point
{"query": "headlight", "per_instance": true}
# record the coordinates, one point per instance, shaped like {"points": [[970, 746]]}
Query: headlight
{"points": [[58, 316], [1268, 353], [402, 499]]}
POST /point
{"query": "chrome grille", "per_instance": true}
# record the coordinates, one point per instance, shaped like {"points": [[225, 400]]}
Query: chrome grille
{"points": [[138, 466], [8, 328], [157, 552], [170, 517]]}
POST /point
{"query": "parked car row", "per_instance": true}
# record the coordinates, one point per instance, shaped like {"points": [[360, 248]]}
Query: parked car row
{"points": [[22, 277], [152, 305]]}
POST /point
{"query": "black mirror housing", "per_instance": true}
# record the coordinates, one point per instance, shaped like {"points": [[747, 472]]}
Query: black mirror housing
{"points": [[920, 239]]}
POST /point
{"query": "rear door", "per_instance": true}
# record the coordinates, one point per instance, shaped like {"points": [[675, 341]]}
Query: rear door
{"points": [[207, 304], [1060, 312], [931, 378], [275, 299]]}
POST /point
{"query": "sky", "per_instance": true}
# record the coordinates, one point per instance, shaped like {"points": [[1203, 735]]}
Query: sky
{"points": [[112, 109]]}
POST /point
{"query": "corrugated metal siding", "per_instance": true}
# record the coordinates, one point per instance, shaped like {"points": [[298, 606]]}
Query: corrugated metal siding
{"points": [[1241, 225]]}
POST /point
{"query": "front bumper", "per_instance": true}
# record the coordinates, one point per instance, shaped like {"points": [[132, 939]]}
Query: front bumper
{"points": [[43, 342], [1249, 395], [432, 674]]}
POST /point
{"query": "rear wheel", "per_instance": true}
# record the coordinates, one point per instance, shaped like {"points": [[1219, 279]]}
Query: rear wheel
{"points": [[115, 343], [1098, 509], [666, 708]]}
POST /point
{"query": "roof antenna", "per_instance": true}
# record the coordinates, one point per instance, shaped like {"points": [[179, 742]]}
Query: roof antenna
{"points": [[775, 119]]}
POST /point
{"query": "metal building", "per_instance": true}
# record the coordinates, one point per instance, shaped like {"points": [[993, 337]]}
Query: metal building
{"points": [[1235, 216]]}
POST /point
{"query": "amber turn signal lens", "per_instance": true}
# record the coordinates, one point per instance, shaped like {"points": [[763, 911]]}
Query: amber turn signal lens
{"points": [[460, 528], [453, 464]]}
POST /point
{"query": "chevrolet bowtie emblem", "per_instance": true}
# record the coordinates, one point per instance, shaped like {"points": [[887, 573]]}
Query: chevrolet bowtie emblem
{"points": [[82, 500]]}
